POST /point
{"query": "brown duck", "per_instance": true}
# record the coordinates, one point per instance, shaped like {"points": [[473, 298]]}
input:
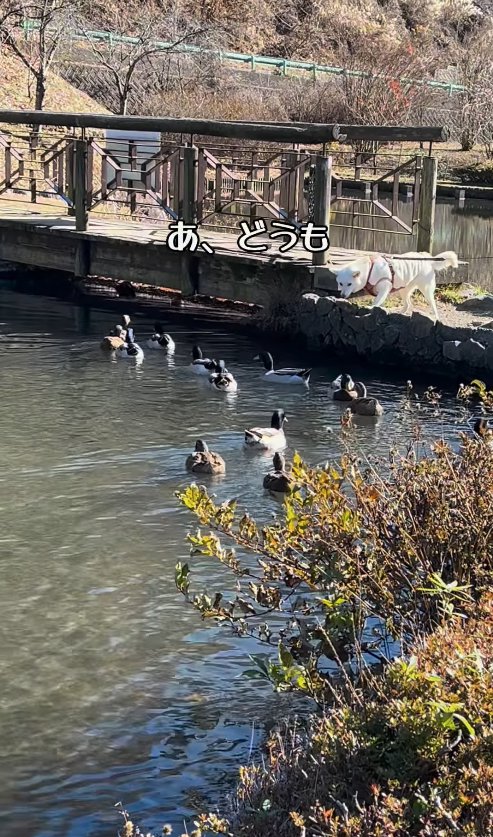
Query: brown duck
{"points": [[117, 336], [204, 461], [279, 481]]}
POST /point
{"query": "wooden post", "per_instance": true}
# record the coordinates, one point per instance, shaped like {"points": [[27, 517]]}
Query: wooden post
{"points": [[70, 169], [190, 183], [82, 258], [33, 144], [80, 185], [8, 165], [321, 209], [427, 201]]}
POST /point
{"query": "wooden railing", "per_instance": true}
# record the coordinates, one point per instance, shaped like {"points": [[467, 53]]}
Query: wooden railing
{"points": [[212, 184]]}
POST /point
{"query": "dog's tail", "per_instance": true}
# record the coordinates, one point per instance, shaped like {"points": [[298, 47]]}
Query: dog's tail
{"points": [[448, 259]]}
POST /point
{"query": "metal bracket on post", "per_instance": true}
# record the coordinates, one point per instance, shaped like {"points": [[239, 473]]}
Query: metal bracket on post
{"points": [[321, 200], [427, 202], [80, 184]]}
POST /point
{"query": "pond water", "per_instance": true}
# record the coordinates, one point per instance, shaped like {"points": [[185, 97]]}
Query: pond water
{"points": [[467, 229], [111, 688]]}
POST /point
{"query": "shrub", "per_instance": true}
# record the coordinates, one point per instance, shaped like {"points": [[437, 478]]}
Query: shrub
{"points": [[356, 561], [480, 174], [414, 756]]}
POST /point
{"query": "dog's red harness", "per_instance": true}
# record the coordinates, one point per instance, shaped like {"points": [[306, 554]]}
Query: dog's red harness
{"points": [[372, 289]]}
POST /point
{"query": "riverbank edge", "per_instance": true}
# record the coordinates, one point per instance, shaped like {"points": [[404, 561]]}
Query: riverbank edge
{"points": [[445, 189], [322, 326], [388, 338]]}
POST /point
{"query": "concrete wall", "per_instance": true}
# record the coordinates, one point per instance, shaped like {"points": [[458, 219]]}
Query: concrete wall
{"points": [[332, 325], [234, 276]]}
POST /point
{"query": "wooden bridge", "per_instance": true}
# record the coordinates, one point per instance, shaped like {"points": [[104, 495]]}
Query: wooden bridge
{"points": [[78, 197]]}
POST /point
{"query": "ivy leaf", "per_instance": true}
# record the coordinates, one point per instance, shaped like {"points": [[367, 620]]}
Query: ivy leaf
{"points": [[182, 581], [466, 724]]}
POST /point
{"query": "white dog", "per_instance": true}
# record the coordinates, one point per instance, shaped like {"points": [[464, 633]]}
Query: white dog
{"points": [[381, 276]]}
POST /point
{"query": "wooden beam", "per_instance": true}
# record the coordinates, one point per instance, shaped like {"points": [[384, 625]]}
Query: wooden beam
{"points": [[297, 132], [381, 133], [286, 132], [390, 133]]}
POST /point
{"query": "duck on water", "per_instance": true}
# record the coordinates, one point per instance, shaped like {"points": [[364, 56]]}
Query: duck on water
{"points": [[131, 350], [278, 481], [348, 390], [201, 365], [222, 380], [204, 461], [268, 438], [161, 340], [365, 405], [282, 376], [116, 338]]}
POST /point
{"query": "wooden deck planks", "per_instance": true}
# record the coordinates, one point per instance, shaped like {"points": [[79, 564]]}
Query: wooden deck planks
{"points": [[47, 214]]}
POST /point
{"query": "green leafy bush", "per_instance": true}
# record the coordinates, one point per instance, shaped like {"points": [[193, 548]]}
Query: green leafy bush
{"points": [[356, 566]]}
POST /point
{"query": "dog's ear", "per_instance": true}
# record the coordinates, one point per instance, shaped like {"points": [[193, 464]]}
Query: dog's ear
{"points": [[356, 274]]}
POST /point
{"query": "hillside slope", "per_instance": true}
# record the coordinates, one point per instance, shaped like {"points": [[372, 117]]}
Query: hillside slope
{"points": [[324, 31], [17, 90]]}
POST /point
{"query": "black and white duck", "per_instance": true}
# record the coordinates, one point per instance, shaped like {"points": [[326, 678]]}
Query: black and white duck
{"points": [[222, 380], [161, 340], [201, 365], [268, 438], [282, 376]]}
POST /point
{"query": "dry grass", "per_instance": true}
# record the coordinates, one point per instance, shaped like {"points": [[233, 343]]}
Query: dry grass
{"points": [[17, 90]]}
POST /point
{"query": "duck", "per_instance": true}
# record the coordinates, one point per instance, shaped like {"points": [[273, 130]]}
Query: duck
{"points": [[204, 461], [268, 438], [127, 328], [131, 350], [364, 405], [282, 376], [279, 481], [125, 290], [483, 430], [201, 365], [336, 384], [347, 390], [222, 380], [161, 340], [114, 340]]}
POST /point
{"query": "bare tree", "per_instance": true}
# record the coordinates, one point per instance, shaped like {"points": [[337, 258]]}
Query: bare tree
{"points": [[123, 57], [366, 93], [389, 92], [32, 30], [474, 59]]}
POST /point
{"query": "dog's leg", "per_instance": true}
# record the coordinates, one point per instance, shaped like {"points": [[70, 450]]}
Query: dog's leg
{"points": [[385, 287], [406, 294], [428, 290]]}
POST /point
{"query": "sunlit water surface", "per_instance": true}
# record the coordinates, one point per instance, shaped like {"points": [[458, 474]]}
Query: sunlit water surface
{"points": [[111, 688]]}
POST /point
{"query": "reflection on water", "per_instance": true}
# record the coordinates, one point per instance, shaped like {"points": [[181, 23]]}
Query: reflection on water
{"points": [[467, 230], [110, 688]]}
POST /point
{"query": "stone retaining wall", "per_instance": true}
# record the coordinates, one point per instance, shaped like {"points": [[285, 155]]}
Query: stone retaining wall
{"points": [[394, 339]]}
